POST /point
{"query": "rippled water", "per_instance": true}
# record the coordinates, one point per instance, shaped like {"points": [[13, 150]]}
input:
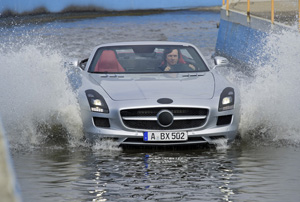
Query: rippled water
{"points": [[53, 163], [237, 174]]}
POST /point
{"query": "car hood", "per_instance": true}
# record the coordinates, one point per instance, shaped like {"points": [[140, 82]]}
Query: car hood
{"points": [[133, 87]]}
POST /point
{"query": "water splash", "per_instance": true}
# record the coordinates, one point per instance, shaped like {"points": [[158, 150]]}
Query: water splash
{"points": [[221, 144], [106, 145], [270, 99], [35, 94]]}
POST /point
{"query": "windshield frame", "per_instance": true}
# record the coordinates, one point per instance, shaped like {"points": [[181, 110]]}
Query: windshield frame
{"points": [[144, 52]]}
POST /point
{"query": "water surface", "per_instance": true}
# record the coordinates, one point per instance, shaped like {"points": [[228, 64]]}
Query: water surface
{"points": [[53, 163]]}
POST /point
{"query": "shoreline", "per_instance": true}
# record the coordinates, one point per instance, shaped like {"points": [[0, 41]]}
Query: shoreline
{"points": [[74, 13]]}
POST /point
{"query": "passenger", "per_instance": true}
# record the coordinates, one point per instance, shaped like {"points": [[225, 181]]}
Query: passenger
{"points": [[173, 57]]}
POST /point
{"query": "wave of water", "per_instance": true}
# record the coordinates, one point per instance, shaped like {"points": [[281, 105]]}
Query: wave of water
{"points": [[270, 99], [36, 102]]}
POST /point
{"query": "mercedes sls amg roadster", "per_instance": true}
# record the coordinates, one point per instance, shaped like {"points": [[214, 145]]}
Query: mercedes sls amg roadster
{"points": [[155, 93]]}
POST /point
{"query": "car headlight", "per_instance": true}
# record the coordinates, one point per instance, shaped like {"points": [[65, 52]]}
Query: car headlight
{"points": [[226, 99], [96, 101]]}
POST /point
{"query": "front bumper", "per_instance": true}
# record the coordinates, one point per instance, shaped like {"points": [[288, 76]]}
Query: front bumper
{"points": [[137, 137], [208, 133]]}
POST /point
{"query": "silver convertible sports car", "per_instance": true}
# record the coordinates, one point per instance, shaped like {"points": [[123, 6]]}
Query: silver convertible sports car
{"points": [[155, 93]]}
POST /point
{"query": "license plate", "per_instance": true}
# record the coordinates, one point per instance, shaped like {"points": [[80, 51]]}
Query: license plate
{"points": [[165, 136]]}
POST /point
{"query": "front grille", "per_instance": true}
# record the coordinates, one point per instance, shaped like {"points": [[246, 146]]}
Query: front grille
{"points": [[145, 119], [154, 111]]}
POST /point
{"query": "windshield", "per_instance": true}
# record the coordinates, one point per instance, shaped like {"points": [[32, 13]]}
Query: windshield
{"points": [[147, 59]]}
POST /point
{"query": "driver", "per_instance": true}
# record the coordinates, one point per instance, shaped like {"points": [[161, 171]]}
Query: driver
{"points": [[171, 58]]}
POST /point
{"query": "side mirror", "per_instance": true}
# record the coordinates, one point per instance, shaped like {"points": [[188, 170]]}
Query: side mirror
{"points": [[82, 63], [220, 61], [71, 63]]}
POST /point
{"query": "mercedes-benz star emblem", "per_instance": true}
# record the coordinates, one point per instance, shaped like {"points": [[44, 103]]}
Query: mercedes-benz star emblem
{"points": [[165, 118]]}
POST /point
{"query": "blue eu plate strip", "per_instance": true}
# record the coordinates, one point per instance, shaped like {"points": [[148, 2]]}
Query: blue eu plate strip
{"points": [[145, 136]]}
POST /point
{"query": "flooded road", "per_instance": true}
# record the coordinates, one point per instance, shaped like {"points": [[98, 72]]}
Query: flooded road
{"points": [[53, 163]]}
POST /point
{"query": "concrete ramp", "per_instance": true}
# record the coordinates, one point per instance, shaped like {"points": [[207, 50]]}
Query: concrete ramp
{"points": [[285, 11], [242, 37]]}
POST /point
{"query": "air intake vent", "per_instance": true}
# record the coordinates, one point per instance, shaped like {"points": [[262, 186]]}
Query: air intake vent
{"points": [[101, 122], [224, 120]]}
